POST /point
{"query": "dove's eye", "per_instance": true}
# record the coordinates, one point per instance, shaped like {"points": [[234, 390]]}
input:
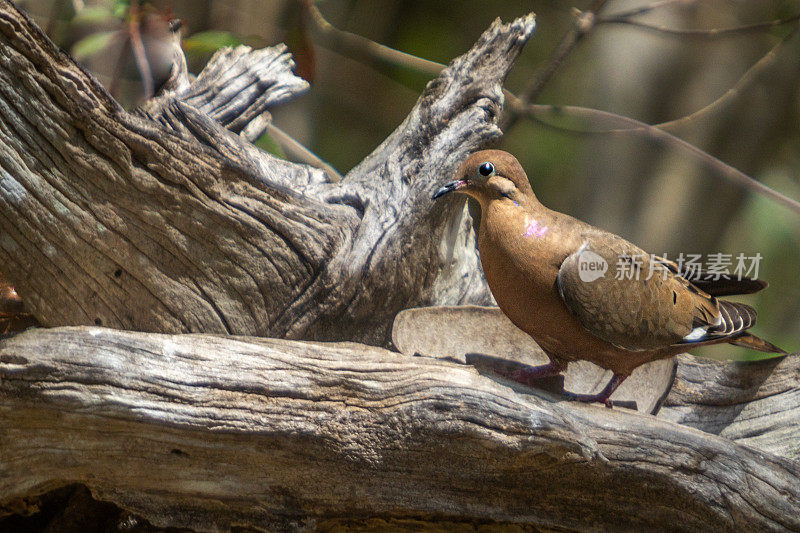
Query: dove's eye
{"points": [[486, 169]]}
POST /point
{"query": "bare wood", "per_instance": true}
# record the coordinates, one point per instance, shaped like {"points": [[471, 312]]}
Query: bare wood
{"points": [[237, 86], [626, 125], [754, 403], [119, 207], [180, 226], [208, 431]]}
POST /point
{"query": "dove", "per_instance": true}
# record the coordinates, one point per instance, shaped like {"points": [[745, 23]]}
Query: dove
{"points": [[557, 279]]}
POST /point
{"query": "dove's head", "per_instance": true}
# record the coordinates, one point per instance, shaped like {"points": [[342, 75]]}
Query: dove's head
{"points": [[490, 175]]}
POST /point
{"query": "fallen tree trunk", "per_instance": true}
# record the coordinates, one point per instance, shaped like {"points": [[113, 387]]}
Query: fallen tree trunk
{"points": [[210, 432]]}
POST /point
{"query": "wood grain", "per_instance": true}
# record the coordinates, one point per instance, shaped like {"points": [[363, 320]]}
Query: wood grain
{"points": [[754, 403], [451, 332], [209, 431]]}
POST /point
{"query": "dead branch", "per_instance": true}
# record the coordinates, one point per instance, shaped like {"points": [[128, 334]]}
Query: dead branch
{"points": [[169, 223]]}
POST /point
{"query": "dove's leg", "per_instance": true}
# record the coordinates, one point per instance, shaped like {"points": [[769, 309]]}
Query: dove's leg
{"points": [[601, 397]]}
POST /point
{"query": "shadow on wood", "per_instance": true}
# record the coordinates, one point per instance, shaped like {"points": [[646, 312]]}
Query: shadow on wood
{"points": [[487, 331]]}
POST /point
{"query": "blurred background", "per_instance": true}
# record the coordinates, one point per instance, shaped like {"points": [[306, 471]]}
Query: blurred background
{"points": [[656, 195]]}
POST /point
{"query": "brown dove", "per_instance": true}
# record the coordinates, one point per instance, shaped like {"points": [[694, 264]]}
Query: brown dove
{"points": [[586, 294]]}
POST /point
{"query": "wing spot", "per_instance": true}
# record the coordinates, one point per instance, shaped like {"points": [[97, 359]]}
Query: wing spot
{"points": [[695, 335], [674, 298]]}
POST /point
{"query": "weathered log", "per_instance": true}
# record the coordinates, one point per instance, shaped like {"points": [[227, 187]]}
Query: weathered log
{"points": [[209, 432], [173, 224], [755, 402]]}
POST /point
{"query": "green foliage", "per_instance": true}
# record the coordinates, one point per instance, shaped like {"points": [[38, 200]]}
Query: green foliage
{"points": [[205, 43], [268, 144], [774, 234], [93, 44], [120, 8], [94, 15]]}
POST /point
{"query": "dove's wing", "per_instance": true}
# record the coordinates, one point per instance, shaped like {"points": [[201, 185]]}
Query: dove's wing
{"points": [[642, 303]]}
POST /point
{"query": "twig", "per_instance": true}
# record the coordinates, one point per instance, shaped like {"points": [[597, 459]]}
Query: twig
{"points": [[363, 49], [137, 46], [360, 47], [646, 9], [583, 23], [713, 33], [300, 153], [636, 127], [748, 77], [729, 95]]}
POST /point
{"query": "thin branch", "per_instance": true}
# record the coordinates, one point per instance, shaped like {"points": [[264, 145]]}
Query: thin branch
{"points": [[583, 23], [536, 112], [300, 153], [357, 46], [139, 54], [648, 8], [747, 78], [362, 49], [713, 33]]}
